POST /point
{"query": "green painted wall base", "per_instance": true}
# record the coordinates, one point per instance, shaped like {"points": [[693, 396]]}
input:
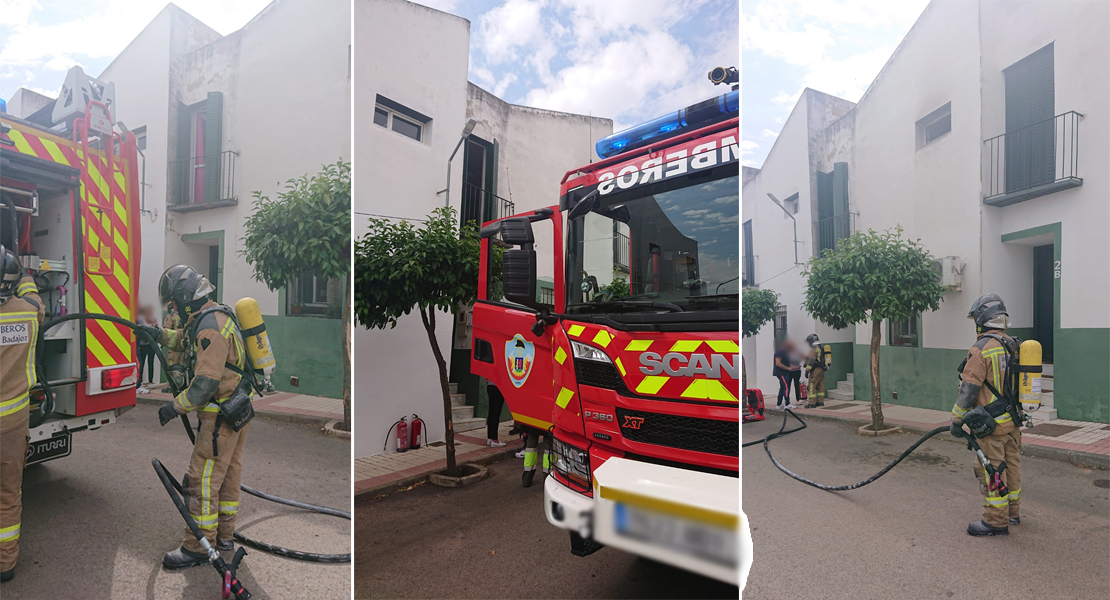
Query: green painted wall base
{"points": [[310, 348], [1081, 379], [842, 361]]}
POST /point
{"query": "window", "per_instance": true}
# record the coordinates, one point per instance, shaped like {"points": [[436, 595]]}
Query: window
{"points": [[620, 246], [780, 324], [934, 125], [401, 119], [903, 333], [749, 256], [312, 295], [791, 206]]}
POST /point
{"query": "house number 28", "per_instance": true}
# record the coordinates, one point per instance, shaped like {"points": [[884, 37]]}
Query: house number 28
{"points": [[1056, 267]]}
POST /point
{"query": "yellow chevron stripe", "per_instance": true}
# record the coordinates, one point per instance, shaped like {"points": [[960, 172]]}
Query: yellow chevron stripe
{"points": [[97, 178], [54, 151], [116, 302], [21, 142], [96, 345]]}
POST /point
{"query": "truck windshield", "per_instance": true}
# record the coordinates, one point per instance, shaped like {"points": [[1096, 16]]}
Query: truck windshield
{"points": [[659, 248]]}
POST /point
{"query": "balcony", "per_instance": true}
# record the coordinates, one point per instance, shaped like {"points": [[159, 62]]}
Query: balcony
{"points": [[1033, 161], [201, 182], [827, 233], [480, 205], [621, 249]]}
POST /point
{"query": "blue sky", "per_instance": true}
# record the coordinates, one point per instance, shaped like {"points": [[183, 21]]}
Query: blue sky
{"points": [[833, 46]]}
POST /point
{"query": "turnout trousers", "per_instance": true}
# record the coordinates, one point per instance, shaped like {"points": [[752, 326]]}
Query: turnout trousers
{"points": [[997, 509], [212, 482], [13, 454]]}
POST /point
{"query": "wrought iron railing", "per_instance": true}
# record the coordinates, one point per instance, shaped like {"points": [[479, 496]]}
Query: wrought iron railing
{"points": [[1039, 154], [480, 205], [620, 251], [828, 232], [201, 180]]}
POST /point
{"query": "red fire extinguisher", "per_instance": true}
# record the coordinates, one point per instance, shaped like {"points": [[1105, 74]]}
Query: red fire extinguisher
{"points": [[416, 428]]}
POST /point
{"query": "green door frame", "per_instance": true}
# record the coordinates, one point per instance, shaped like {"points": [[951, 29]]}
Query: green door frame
{"points": [[1055, 229], [204, 236]]}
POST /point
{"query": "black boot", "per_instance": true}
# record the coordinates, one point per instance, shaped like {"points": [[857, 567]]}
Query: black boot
{"points": [[526, 479], [7, 575], [1015, 520], [175, 560], [982, 529], [225, 545]]}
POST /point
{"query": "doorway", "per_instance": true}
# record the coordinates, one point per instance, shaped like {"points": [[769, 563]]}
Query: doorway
{"points": [[1044, 270]]}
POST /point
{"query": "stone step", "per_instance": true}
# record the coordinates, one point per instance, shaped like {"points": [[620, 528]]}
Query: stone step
{"points": [[846, 387], [457, 399], [1043, 414], [454, 388], [464, 425], [462, 412], [851, 377], [1047, 383], [1047, 401], [840, 395], [1046, 369]]}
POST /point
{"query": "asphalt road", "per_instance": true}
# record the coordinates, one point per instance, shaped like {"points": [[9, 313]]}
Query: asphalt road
{"points": [[903, 535], [491, 540], [96, 523]]}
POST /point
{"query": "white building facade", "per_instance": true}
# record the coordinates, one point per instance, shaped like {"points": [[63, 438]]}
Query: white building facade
{"points": [[984, 136]]}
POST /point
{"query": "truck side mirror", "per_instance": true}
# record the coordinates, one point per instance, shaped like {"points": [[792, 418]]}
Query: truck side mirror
{"points": [[518, 276]]}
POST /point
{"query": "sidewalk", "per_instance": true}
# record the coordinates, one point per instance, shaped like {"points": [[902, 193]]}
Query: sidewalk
{"points": [[1078, 442], [284, 406], [381, 471]]}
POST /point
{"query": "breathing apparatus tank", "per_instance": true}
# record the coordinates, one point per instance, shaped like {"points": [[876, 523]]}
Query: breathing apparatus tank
{"points": [[828, 356], [1029, 375], [254, 336]]}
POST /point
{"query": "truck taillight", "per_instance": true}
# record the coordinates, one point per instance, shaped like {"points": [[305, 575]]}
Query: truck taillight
{"points": [[119, 377]]}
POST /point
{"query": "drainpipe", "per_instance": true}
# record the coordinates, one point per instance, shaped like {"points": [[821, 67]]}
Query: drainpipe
{"points": [[462, 138], [789, 214]]}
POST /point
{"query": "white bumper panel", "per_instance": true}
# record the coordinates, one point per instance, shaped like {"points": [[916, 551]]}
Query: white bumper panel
{"points": [[687, 519], [575, 509], [91, 422]]}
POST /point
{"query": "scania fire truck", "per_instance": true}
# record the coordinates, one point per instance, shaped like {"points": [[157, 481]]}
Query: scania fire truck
{"points": [[70, 195], [632, 365]]}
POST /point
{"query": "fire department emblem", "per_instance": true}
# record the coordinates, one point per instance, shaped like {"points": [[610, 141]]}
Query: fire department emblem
{"points": [[519, 356]]}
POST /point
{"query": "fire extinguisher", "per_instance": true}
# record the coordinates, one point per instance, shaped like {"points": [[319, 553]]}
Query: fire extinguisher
{"points": [[402, 435], [416, 428]]}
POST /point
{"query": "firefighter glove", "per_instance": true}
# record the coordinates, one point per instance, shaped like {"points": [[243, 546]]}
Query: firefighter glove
{"points": [[153, 331], [957, 430], [166, 414]]}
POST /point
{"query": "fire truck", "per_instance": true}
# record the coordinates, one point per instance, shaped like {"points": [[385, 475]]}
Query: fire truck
{"points": [[70, 195], [632, 366]]}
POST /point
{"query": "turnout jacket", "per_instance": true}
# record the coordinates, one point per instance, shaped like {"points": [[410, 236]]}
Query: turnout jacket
{"points": [[20, 318], [987, 360], [215, 343]]}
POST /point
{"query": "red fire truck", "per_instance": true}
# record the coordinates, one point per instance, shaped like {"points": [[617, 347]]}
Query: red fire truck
{"points": [[633, 367], [70, 197]]}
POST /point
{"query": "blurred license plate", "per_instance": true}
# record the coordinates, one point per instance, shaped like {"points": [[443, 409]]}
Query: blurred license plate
{"points": [[55, 447], [689, 537]]}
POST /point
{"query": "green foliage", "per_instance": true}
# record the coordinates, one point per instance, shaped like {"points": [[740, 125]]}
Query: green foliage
{"points": [[307, 228], [758, 309], [872, 276], [618, 288], [399, 267]]}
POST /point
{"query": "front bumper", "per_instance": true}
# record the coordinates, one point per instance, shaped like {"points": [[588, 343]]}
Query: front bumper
{"points": [[686, 519]]}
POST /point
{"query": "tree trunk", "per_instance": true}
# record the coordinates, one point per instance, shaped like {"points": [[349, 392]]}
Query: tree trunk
{"points": [[876, 391], [428, 315], [347, 358]]}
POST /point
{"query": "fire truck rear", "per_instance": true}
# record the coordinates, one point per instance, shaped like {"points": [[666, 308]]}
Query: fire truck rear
{"points": [[634, 365], [70, 195]]}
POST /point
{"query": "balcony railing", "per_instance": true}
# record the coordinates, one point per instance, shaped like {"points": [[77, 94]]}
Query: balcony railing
{"points": [[481, 205], [620, 251], [828, 232], [1032, 161], [201, 182]]}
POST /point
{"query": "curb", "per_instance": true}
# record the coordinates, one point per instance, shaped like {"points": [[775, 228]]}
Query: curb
{"points": [[392, 486], [330, 429], [296, 418], [1074, 457]]}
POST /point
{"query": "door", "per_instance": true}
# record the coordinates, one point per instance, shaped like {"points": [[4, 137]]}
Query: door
{"points": [[1044, 310], [199, 124], [1030, 127], [214, 270], [474, 181]]}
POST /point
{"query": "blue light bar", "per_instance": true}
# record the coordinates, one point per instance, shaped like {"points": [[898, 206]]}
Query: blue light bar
{"points": [[694, 116]]}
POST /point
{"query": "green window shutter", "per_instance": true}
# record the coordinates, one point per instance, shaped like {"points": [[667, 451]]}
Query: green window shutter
{"points": [[213, 135], [492, 208], [182, 171], [840, 189]]}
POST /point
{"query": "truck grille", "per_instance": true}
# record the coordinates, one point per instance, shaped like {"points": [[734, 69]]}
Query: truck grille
{"points": [[597, 374], [684, 433]]}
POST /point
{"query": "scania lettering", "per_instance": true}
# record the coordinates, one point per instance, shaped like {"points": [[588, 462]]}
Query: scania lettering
{"points": [[71, 180], [634, 355]]}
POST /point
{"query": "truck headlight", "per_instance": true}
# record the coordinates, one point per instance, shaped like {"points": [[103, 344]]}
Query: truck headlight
{"points": [[586, 352], [572, 463]]}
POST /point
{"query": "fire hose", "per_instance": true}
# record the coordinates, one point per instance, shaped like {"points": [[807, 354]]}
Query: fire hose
{"points": [[994, 475], [174, 489]]}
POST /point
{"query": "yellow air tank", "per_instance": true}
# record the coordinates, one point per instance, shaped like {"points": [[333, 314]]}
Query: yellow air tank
{"points": [[828, 357], [254, 335], [1029, 380]]}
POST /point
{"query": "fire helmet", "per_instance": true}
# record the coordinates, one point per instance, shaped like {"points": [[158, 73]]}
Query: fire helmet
{"points": [[11, 274], [812, 339], [989, 312], [185, 287]]}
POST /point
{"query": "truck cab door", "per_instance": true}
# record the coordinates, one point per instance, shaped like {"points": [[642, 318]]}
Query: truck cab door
{"points": [[505, 351]]}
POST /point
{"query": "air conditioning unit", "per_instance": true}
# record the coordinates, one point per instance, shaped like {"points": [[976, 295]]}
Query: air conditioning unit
{"points": [[951, 270]]}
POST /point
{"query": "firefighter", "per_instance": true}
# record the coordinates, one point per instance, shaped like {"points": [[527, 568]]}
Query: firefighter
{"points": [[815, 370], [172, 321], [21, 313], [212, 345], [987, 366], [532, 449]]}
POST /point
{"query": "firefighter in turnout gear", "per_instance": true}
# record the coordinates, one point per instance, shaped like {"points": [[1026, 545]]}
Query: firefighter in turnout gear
{"points": [[532, 450], [216, 358], [21, 314], [815, 370], [983, 395]]}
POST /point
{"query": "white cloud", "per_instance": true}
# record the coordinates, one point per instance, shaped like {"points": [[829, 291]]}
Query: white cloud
{"points": [[691, 213], [61, 63], [514, 25], [768, 133], [747, 147]]}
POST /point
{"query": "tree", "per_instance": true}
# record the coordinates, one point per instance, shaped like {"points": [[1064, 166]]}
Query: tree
{"points": [[758, 308], [399, 267], [872, 276], [306, 229], [618, 288]]}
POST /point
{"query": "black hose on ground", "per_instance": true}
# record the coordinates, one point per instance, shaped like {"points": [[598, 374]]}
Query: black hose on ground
{"points": [[837, 488], [278, 550]]}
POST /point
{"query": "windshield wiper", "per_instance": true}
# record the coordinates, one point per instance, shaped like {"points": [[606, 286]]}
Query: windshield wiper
{"points": [[637, 303]]}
